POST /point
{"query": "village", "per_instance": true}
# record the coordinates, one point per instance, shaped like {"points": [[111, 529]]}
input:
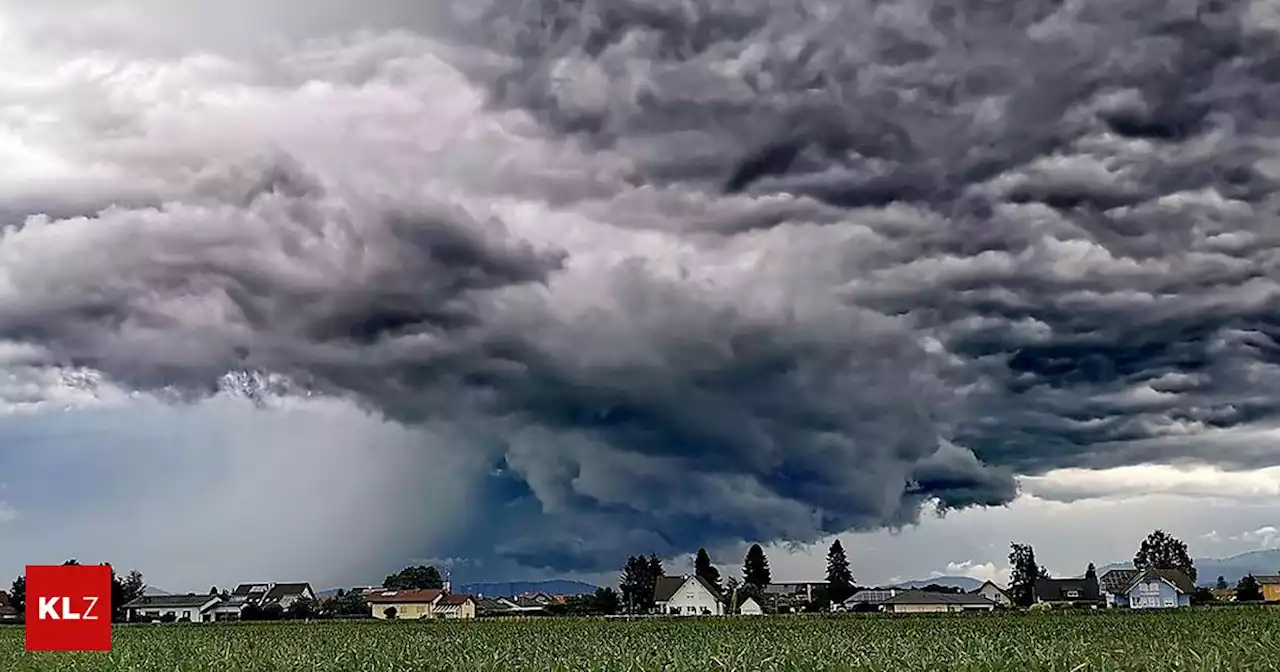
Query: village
{"points": [[1162, 578]]}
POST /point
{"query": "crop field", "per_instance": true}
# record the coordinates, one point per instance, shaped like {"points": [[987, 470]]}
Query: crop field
{"points": [[1212, 639]]}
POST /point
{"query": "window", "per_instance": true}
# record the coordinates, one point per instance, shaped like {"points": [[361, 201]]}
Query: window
{"points": [[1073, 593]]}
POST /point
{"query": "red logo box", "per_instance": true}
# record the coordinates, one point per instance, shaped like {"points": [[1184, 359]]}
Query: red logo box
{"points": [[69, 608]]}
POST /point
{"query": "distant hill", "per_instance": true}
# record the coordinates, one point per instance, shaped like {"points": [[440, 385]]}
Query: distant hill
{"points": [[553, 586], [1232, 569], [964, 583]]}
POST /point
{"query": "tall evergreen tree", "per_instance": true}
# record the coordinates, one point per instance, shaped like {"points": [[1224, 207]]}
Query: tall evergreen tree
{"points": [[839, 576], [1161, 550], [1024, 572], [755, 568], [631, 584], [702, 567], [18, 593]]}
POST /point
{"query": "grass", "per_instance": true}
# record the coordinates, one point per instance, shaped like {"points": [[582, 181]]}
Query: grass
{"points": [[1187, 640]]}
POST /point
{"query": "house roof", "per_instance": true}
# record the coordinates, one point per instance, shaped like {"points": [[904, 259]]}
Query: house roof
{"points": [[489, 605], [283, 590], [870, 596], [1117, 580], [1173, 577], [978, 590], [925, 597], [666, 587], [415, 596], [457, 600], [1268, 579], [6, 607], [1055, 590], [251, 589], [171, 601]]}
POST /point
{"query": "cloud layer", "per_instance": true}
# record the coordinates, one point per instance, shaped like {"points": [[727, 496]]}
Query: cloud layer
{"points": [[680, 273]]}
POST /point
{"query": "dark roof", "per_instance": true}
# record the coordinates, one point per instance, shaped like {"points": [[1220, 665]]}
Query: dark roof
{"points": [[416, 596], [251, 589], [170, 601], [456, 599], [666, 587], [1117, 580], [283, 590], [489, 605], [874, 596], [926, 597], [6, 607], [1267, 579], [1055, 590], [1174, 577]]}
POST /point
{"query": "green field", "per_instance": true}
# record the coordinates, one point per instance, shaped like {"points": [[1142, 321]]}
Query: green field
{"points": [[1212, 639]]}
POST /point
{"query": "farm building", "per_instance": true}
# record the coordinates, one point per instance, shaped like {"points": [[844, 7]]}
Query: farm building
{"points": [[919, 601], [750, 607], [1161, 589], [1270, 585]]}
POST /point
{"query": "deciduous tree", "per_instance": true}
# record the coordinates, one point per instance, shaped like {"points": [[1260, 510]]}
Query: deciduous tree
{"points": [[1161, 550]]}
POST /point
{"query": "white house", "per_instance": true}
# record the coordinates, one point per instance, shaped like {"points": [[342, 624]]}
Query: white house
{"points": [[283, 594], [994, 593], [190, 607], [750, 607], [687, 596], [1161, 589]]}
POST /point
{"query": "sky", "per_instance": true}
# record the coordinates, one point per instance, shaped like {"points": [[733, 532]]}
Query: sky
{"points": [[317, 290]]}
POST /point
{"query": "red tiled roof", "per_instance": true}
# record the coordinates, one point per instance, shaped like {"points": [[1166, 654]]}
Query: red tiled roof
{"points": [[416, 596], [456, 599]]}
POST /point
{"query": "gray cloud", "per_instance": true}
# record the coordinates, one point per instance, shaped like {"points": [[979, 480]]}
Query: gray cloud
{"points": [[698, 272]]}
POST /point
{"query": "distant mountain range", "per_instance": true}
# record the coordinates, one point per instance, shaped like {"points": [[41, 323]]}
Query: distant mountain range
{"points": [[1231, 569], [964, 583]]}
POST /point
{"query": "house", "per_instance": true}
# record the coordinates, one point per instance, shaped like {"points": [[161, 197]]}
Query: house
{"points": [[228, 608], [7, 610], [190, 607], [750, 607], [1114, 586], [1161, 589], [919, 602], [283, 594], [994, 593], [1270, 586], [488, 607], [411, 604], [1068, 593], [524, 605], [687, 596], [454, 606]]}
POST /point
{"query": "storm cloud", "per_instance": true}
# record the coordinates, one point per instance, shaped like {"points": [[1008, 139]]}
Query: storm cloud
{"points": [[684, 273]]}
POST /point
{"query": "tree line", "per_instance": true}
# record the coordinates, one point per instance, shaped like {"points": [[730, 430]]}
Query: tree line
{"points": [[640, 576]]}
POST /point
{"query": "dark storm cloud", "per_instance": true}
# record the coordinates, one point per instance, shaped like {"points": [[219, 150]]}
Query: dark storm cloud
{"points": [[799, 268]]}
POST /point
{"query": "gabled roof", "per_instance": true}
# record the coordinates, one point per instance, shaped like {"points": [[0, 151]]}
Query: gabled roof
{"points": [[1268, 579], [666, 586], [1181, 582], [978, 590], [171, 601], [1117, 580], [415, 596], [926, 597], [455, 599], [283, 590], [875, 596]]}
